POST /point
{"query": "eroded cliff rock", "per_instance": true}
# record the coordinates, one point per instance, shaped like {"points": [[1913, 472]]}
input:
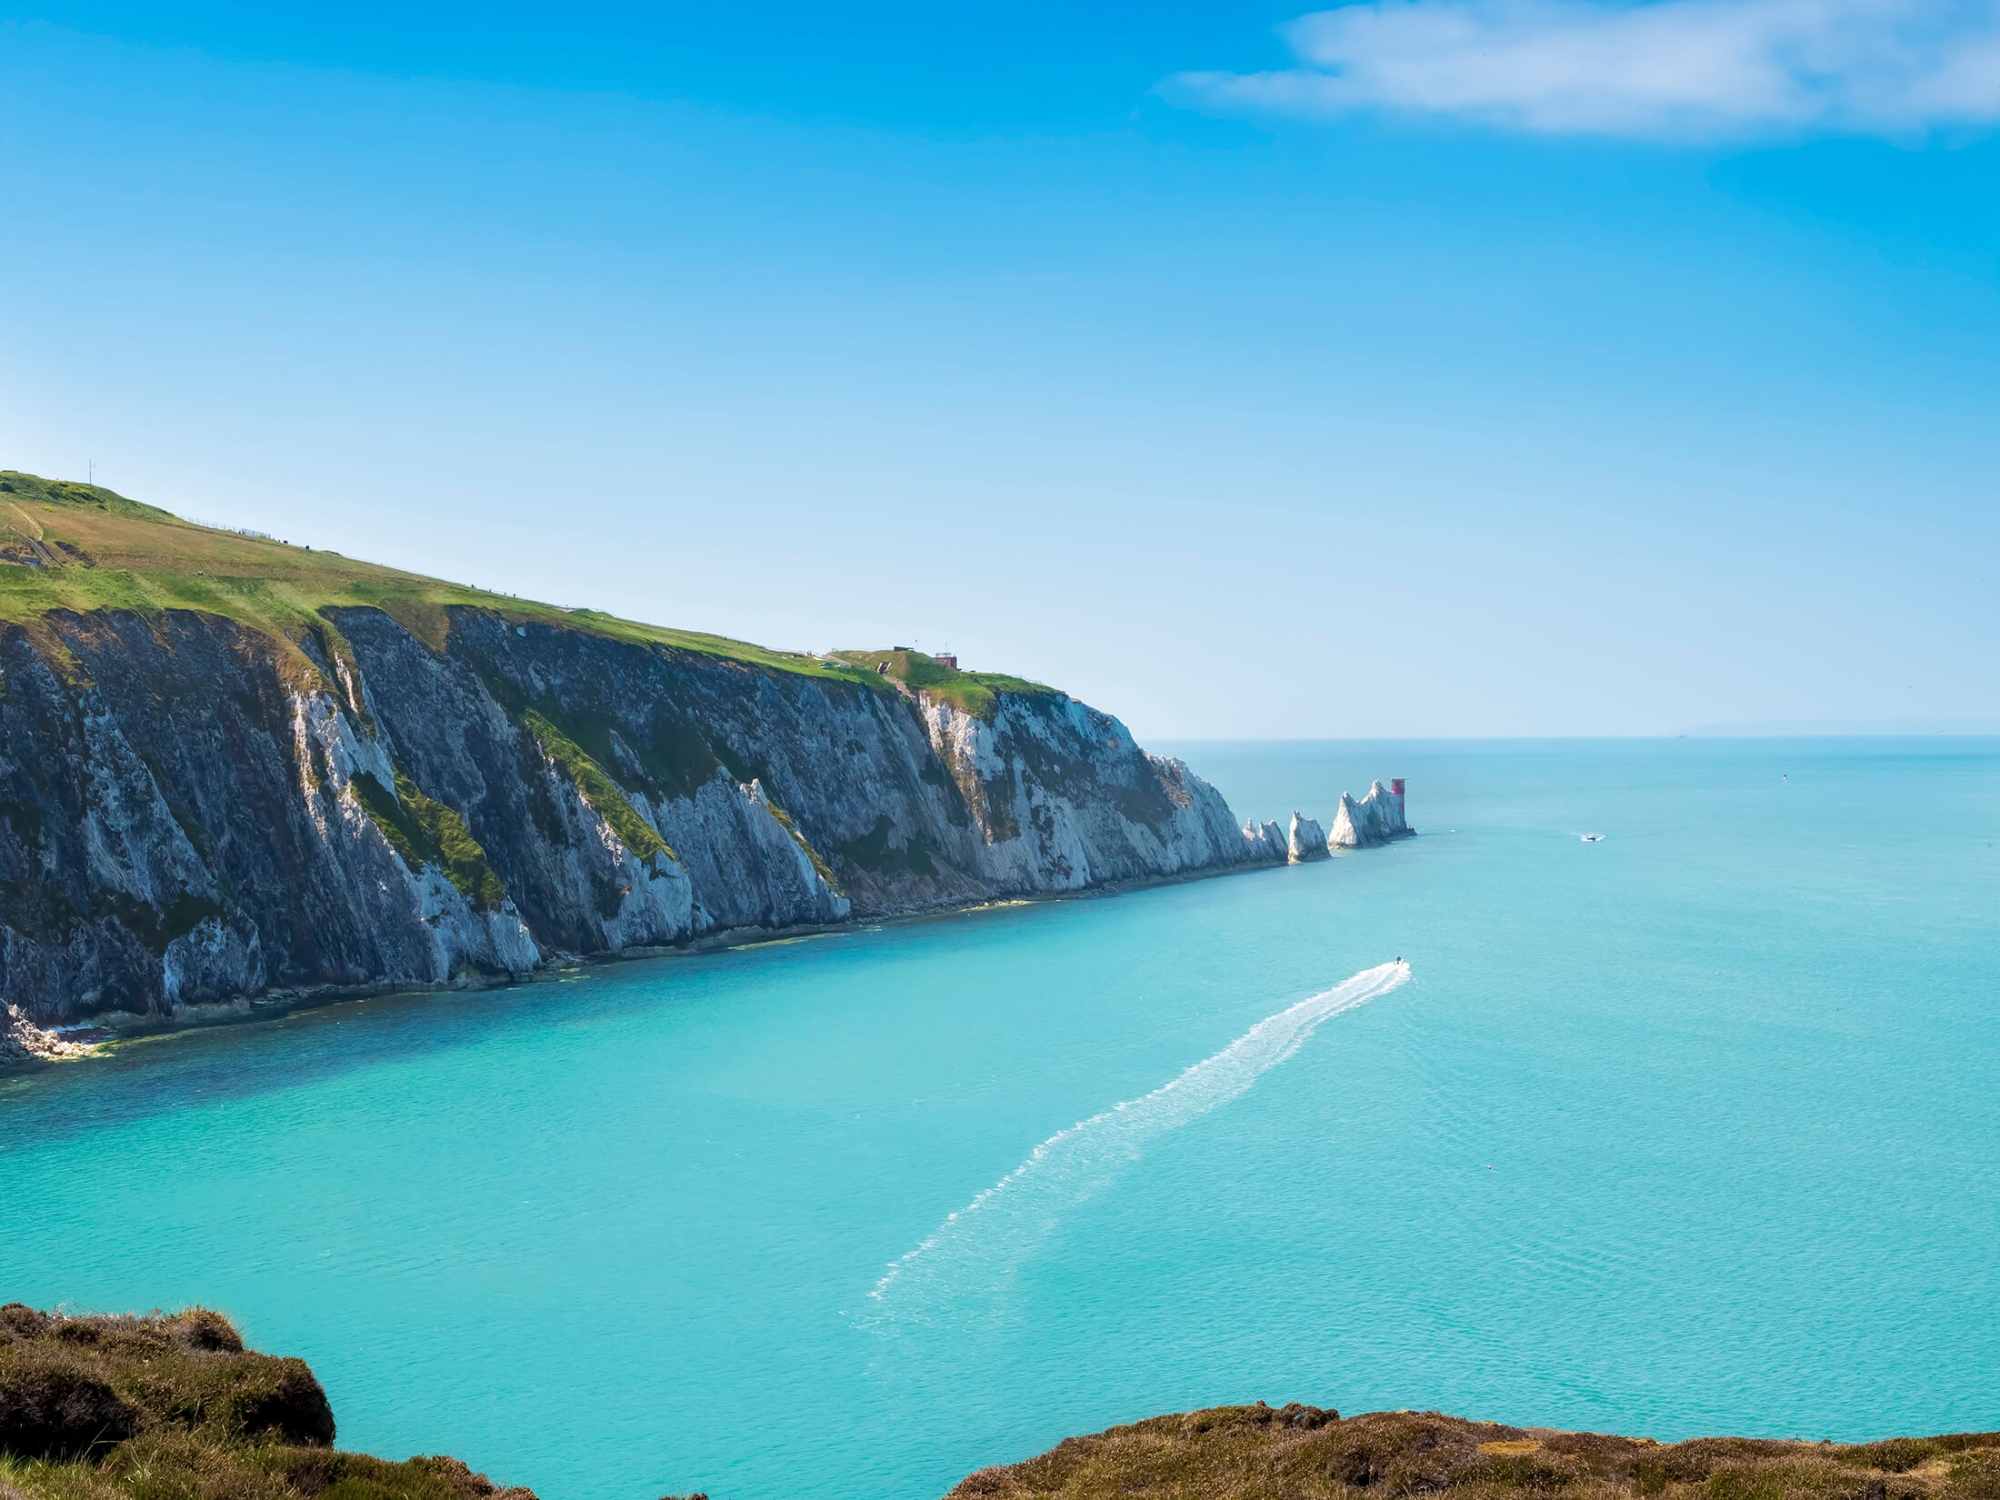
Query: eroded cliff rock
{"points": [[1373, 821], [1270, 840], [1307, 840], [195, 810]]}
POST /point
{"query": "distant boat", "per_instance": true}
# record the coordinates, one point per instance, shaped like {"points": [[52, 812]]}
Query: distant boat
{"points": [[1593, 838]]}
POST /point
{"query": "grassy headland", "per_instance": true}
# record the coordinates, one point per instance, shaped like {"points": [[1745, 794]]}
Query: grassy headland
{"points": [[175, 1408], [1304, 1453], [82, 547]]}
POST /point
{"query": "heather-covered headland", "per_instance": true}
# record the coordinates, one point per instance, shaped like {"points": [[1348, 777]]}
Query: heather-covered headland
{"points": [[1305, 1453], [133, 1408]]}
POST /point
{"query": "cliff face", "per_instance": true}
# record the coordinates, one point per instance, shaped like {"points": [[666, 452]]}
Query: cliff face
{"points": [[1307, 840], [193, 809]]}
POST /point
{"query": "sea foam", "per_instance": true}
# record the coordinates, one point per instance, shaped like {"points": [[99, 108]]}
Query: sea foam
{"points": [[975, 1251]]}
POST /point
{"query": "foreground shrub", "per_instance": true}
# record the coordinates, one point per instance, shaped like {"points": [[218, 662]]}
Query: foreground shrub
{"points": [[1250, 1453], [175, 1408], [51, 1407]]}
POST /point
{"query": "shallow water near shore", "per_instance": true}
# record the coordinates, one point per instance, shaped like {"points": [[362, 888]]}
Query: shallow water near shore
{"points": [[1690, 1130]]}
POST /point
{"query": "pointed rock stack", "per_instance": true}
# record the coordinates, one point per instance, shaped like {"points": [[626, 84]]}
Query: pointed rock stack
{"points": [[1308, 840], [1374, 820]]}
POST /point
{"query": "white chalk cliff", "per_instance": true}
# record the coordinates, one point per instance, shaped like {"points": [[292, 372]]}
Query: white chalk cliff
{"points": [[192, 813]]}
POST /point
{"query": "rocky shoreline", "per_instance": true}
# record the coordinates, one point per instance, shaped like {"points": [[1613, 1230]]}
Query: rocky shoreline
{"points": [[25, 1043], [21, 1040]]}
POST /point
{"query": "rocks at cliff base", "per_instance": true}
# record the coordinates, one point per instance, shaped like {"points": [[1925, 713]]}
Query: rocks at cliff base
{"points": [[1308, 840], [1369, 823], [21, 1038]]}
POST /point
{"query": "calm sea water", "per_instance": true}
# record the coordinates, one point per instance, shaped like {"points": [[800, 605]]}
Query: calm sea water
{"points": [[1692, 1130]]}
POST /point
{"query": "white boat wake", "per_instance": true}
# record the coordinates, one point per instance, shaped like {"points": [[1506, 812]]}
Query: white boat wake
{"points": [[976, 1250]]}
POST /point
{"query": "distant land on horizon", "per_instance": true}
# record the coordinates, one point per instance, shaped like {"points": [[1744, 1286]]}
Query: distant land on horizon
{"points": [[1845, 728]]}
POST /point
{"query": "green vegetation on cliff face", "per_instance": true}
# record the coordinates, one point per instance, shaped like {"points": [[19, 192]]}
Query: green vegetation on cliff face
{"points": [[425, 832], [1303, 1453], [82, 547], [819, 864], [175, 1408], [598, 789]]}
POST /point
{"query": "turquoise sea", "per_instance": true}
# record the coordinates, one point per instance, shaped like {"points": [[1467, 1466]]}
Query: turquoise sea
{"points": [[1696, 1129]]}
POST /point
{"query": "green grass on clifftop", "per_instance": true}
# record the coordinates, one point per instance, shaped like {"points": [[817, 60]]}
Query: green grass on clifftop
{"points": [[82, 547], [971, 691]]}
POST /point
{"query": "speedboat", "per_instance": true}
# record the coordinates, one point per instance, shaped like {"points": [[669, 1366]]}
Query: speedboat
{"points": [[1593, 838]]}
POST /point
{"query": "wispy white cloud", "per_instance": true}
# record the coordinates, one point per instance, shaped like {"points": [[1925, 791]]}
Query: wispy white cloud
{"points": [[1668, 69]]}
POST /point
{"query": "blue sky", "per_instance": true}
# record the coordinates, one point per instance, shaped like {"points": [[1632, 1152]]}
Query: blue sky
{"points": [[1406, 369]]}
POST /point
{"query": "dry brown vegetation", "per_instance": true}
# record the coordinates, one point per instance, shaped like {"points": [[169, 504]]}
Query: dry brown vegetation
{"points": [[175, 1408], [1303, 1453]]}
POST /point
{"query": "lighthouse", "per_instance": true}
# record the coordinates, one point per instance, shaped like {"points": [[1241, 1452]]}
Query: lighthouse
{"points": [[1396, 791]]}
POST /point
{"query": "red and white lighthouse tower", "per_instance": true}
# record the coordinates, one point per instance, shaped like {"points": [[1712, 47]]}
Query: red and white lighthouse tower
{"points": [[1396, 791]]}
